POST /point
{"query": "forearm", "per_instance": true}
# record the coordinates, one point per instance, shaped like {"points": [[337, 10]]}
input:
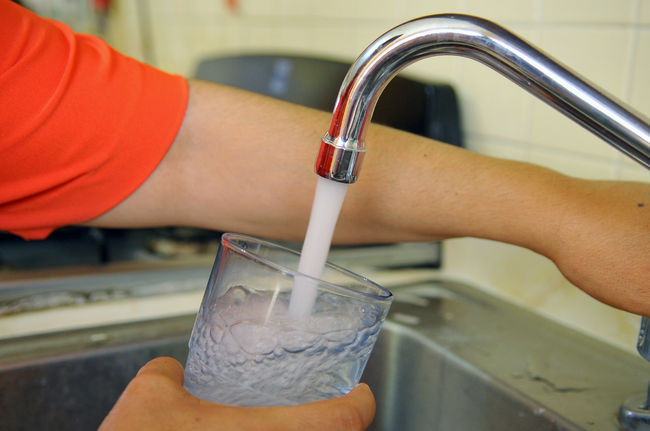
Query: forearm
{"points": [[244, 163], [423, 189]]}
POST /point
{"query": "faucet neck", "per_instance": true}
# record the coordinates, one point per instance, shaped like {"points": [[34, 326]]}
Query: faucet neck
{"points": [[489, 44]]}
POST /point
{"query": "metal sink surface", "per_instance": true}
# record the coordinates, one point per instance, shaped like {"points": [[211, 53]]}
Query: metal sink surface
{"points": [[449, 357]]}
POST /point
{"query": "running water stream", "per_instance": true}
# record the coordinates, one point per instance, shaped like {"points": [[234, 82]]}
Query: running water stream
{"points": [[325, 210]]}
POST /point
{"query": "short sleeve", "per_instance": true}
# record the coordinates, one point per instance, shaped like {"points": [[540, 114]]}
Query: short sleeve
{"points": [[81, 126]]}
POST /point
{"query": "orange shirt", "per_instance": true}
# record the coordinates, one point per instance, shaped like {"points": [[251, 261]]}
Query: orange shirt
{"points": [[81, 126]]}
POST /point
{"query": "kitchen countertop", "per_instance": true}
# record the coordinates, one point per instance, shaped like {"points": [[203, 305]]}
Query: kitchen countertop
{"points": [[137, 308]]}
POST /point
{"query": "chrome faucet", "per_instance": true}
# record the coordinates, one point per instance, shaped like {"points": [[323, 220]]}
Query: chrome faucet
{"points": [[342, 148]]}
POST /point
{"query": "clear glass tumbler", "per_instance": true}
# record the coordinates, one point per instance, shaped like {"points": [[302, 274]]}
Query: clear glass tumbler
{"points": [[248, 349]]}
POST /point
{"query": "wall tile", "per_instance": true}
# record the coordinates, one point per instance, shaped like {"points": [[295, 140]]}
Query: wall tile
{"points": [[497, 147], [630, 170], [301, 9], [124, 32], [602, 56], [582, 166], [260, 39], [521, 275], [554, 131], [367, 34], [373, 9], [331, 9], [201, 42], [208, 8], [295, 40], [233, 35], [263, 7], [503, 11], [589, 11], [533, 281], [410, 9], [493, 105], [163, 7], [644, 11], [574, 308], [200, 10], [599, 54], [167, 43], [340, 43], [640, 82]]}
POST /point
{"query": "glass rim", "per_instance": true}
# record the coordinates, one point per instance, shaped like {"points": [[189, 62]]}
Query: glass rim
{"points": [[228, 240]]}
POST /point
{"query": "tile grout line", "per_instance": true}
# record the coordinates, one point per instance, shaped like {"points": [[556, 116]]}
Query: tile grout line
{"points": [[629, 75], [538, 17]]}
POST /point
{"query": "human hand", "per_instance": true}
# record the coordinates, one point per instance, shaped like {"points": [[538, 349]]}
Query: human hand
{"points": [[156, 400]]}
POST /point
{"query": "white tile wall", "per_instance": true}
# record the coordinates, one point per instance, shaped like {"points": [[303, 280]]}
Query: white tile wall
{"points": [[503, 11], [632, 171], [606, 41], [576, 164], [644, 12], [483, 92], [524, 277], [414, 9], [589, 11], [497, 147], [124, 31], [639, 85]]}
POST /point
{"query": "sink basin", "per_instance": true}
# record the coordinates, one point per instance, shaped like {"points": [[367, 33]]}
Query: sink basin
{"points": [[449, 358]]}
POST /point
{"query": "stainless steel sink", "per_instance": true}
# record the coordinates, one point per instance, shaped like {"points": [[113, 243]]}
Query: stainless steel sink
{"points": [[449, 358]]}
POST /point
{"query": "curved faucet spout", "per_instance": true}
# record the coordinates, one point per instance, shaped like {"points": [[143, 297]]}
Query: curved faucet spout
{"points": [[342, 147]]}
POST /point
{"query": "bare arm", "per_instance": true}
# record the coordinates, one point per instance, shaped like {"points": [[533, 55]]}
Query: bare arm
{"points": [[243, 162]]}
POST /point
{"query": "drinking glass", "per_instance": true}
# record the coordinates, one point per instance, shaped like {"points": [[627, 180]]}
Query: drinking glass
{"points": [[247, 348]]}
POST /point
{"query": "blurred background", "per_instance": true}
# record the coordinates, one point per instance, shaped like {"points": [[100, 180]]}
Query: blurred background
{"points": [[608, 42]]}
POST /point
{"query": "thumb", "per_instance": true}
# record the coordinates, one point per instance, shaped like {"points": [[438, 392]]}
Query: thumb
{"points": [[362, 400], [164, 367], [158, 383]]}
